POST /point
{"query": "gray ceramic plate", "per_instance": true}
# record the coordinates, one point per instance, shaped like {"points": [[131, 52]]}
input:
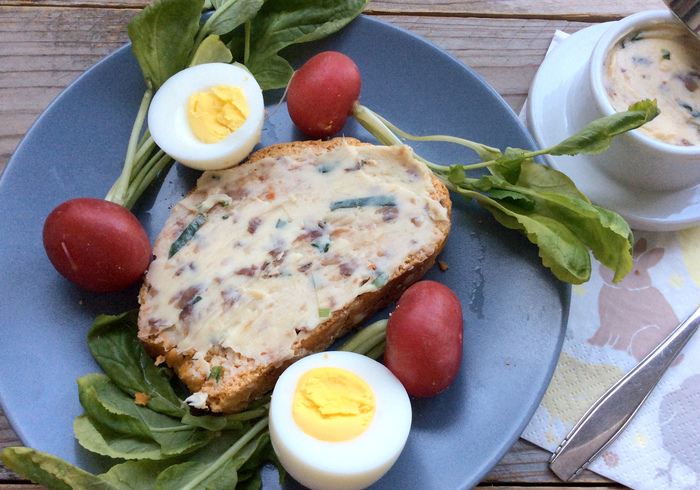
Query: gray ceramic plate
{"points": [[515, 310]]}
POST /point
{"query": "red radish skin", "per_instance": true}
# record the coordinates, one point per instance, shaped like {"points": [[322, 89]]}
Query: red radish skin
{"points": [[322, 93], [424, 338], [96, 244]]}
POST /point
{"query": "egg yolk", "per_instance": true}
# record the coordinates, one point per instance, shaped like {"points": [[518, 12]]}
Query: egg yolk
{"points": [[333, 404], [216, 112]]}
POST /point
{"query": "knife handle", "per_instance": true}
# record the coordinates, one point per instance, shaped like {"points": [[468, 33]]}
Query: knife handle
{"points": [[611, 414]]}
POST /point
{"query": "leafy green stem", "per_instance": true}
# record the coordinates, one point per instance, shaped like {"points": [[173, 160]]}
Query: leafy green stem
{"points": [[260, 408], [246, 46], [377, 351], [381, 129], [228, 454], [387, 133], [148, 161], [165, 430], [141, 169], [248, 414], [161, 161], [206, 29], [121, 187], [366, 339], [478, 147], [143, 151], [372, 123]]}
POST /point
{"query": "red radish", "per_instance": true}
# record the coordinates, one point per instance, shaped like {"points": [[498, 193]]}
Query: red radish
{"points": [[322, 93], [96, 244], [424, 338]]}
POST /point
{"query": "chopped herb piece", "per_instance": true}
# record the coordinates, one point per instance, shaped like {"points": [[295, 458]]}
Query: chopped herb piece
{"points": [[666, 54], [380, 280], [322, 244], [224, 216], [216, 177], [280, 223], [225, 203], [637, 37], [196, 300], [187, 234], [689, 108], [359, 202], [324, 312], [216, 372], [327, 167], [641, 60]]}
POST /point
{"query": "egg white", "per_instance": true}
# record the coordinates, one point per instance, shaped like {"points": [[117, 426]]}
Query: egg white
{"points": [[352, 464], [170, 128]]}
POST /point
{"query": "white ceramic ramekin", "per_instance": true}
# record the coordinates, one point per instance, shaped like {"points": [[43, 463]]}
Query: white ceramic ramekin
{"points": [[634, 158]]}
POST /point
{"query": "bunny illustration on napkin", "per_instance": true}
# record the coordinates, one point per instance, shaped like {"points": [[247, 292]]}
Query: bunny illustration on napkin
{"points": [[634, 315]]}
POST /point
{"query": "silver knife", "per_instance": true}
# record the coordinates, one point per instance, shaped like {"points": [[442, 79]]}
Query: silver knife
{"points": [[611, 414]]}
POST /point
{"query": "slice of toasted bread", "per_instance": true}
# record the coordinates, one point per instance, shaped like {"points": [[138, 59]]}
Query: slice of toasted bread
{"points": [[273, 260]]}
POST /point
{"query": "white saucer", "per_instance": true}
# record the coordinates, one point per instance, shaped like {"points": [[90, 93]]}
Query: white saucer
{"points": [[550, 121]]}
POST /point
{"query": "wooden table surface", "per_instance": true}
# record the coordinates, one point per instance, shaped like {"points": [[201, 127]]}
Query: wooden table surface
{"points": [[45, 45]]}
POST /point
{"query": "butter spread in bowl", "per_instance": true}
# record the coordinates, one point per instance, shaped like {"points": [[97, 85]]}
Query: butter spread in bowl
{"points": [[647, 55], [661, 62]]}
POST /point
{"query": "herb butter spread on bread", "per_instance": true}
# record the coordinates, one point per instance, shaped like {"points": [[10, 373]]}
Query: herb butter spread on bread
{"points": [[274, 259]]}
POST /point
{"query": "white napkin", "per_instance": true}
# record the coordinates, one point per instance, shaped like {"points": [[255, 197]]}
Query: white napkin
{"points": [[612, 327]]}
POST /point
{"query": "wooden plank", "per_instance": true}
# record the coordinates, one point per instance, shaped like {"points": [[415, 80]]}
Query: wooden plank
{"points": [[7, 439], [527, 463], [535, 487], [505, 52], [580, 10], [112, 4], [42, 50], [573, 10]]}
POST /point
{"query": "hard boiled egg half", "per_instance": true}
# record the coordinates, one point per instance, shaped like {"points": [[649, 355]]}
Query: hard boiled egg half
{"points": [[338, 420], [208, 116]]}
